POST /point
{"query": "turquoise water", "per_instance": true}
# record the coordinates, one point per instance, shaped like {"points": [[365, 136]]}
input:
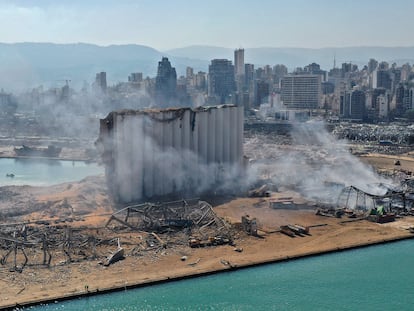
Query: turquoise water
{"points": [[372, 278], [44, 172]]}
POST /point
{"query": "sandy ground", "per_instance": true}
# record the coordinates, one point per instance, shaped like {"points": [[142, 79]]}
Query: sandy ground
{"points": [[88, 200], [40, 283]]}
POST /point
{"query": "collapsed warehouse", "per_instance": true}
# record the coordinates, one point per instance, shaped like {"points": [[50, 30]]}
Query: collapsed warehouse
{"points": [[377, 202], [160, 226], [153, 153]]}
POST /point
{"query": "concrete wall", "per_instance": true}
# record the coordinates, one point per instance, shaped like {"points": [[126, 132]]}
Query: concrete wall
{"points": [[151, 153]]}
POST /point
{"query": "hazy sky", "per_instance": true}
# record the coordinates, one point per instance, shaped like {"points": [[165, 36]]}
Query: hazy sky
{"points": [[229, 23]]}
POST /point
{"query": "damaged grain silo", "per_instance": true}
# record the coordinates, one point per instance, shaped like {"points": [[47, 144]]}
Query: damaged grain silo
{"points": [[152, 153]]}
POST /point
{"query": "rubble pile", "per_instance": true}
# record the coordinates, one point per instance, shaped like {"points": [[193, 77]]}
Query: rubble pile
{"points": [[399, 134], [196, 219], [142, 230], [43, 245]]}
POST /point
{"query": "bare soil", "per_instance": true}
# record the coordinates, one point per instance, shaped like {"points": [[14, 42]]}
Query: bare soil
{"points": [[86, 207]]}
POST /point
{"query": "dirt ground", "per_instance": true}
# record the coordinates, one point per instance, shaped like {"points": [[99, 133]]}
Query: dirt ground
{"points": [[86, 205], [41, 283]]}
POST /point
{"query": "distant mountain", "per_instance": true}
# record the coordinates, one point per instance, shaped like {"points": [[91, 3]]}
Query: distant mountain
{"points": [[30, 64], [203, 52], [26, 65], [299, 57]]}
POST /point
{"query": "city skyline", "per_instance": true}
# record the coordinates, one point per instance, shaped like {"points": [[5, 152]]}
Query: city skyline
{"points": [[231, 24]]}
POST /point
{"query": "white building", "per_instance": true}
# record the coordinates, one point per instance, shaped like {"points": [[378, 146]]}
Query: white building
{"points": [[301, 91], [383, 106], [239, 69]]}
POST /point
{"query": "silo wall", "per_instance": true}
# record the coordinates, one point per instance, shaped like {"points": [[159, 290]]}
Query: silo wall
{"points": [[154, 153]]}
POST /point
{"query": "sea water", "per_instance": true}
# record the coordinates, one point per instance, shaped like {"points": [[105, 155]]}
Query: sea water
{"points": [[372, 278], [44, 172]]}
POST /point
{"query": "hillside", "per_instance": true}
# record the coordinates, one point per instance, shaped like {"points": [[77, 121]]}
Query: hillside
{"points": [[299, 57], [27, 65]]}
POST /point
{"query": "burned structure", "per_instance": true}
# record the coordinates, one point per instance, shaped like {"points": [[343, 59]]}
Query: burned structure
{"points": [[152, 153]]}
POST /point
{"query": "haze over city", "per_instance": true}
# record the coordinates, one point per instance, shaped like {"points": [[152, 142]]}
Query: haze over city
{"points": [[166, 25], [144, 141]]}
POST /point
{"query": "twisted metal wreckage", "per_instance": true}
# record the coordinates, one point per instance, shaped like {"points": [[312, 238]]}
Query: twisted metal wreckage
{"points": [[184, 222], [377, 202]]}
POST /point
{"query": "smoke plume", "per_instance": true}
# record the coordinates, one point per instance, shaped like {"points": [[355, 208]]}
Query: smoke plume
{"points": [[312, 161]]}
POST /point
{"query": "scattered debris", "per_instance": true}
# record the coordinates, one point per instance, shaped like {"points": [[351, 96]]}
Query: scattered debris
{"points": [[162, 243], [26, 151], [299, 230], [249, 225], [379, 215], [211, 241], [262, 191], [294, 230], [303, 230], [287, 231], [282, 203], [195, 262], [117, 255], [227, 263], [196, 219], [329, 212]]}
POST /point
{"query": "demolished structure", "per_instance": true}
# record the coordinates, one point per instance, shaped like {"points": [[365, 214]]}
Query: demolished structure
{"points": [[152, 153], [378, 203]]}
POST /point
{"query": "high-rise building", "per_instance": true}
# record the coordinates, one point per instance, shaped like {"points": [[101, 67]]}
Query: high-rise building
{"points": [[249, 86], [249, 75], [352, 105], [383, 66], [201, 81], [383, 105], [301, 91], [372, 65], [315, 69], [279, 71], [239, 69], [346, 69], [382, 79], [357, 104], [165, 83], [375, 93], [189, 72], [221, 83], [135, 77], [328, 88], [239, 62], [100, 81], [404, 97], [8, 104], [262, 92], [410, 99]]}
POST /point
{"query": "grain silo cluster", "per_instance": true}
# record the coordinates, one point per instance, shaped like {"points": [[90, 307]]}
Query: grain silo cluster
{"points": [[152, 153]]}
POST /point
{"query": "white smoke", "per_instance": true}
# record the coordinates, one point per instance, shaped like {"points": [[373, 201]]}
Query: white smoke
{"points": [[314, 162], [147, 165], [311, 161], [192, 176]]}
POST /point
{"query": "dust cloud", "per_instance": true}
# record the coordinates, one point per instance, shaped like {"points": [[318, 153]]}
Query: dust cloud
{"points": [[312, 161]]}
